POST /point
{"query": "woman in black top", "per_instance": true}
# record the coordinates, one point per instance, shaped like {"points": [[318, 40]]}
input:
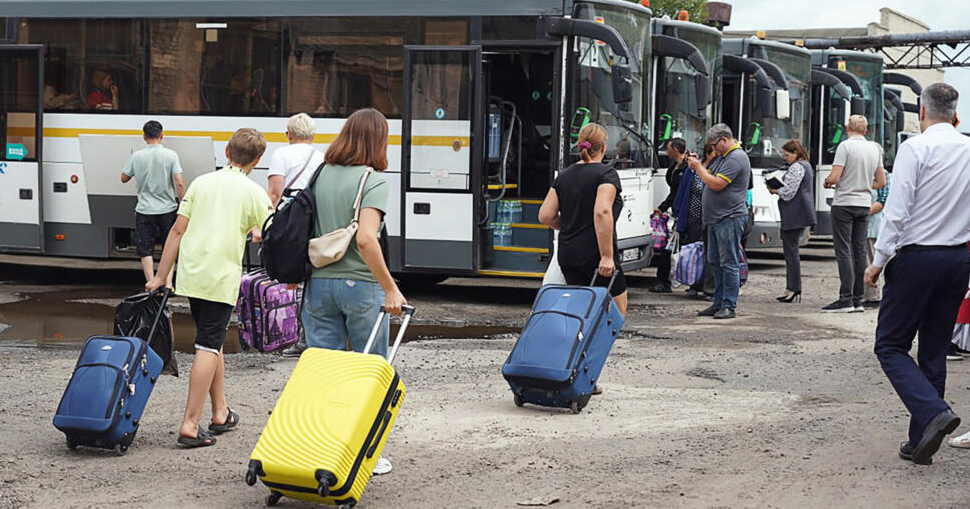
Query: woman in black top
{"points": [[583, 204]]}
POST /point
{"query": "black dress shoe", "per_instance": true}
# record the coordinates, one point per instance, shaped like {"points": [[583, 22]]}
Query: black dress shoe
{"points": [[661, 288], [724, 314], [939, 427], [906, 452], [709, 311]]}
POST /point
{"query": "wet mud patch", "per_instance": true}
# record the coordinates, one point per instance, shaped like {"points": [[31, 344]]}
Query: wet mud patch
{"points": [[65, 319]]}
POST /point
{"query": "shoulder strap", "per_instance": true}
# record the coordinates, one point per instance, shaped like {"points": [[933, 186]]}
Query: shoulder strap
{"points": [[313, 152], [360, 194]]}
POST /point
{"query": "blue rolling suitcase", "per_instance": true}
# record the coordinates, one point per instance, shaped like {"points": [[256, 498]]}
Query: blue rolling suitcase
{"points": [[563, 346], [108, 392]]}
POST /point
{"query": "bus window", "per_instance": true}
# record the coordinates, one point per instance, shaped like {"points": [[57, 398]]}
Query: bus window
{"points": [[336, 66], [228, 68], [90, 65], [500, 28], [445, 32]]}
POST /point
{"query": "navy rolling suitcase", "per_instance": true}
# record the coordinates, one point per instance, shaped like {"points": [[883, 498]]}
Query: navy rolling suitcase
{"points": [[108, 391], [563, 346]]}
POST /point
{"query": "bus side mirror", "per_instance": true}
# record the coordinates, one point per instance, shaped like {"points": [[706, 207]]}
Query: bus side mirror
{"points": [[858, 106], [622, 84], [702, 89], [782, 105], [846, 111]]}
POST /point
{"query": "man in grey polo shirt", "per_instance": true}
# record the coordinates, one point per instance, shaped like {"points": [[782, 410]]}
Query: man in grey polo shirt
{"points": [[158, 177], [856, 171], [725, 213]]}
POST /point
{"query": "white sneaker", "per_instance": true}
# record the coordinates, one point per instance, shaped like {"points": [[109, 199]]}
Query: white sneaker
{"points": [[383, 466], [858, 309]]}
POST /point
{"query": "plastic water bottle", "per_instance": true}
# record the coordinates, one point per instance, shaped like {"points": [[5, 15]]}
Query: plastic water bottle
{"points": [[496, 233], [516, 212], [508, 235], [504, 211]]}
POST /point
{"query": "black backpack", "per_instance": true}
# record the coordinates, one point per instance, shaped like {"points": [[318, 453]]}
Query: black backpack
{"points": [[287, 233]]}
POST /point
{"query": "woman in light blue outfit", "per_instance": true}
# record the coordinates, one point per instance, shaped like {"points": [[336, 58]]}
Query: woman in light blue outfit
{"points": [[879, 196], [343, 299]]}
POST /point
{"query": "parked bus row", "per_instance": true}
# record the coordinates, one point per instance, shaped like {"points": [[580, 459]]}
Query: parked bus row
{"points": [[484, 101]]}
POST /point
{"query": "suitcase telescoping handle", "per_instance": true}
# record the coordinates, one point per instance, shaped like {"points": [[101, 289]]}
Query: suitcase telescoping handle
{"points": [[612, 279], [405, 320]]}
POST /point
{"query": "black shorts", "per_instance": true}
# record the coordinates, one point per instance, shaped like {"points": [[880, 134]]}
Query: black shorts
{"points": [[147, 228], [582, 275], [211, 322]]}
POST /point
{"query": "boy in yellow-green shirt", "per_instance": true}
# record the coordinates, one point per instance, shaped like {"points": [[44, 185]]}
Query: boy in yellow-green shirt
{"points": [[217, 213]]}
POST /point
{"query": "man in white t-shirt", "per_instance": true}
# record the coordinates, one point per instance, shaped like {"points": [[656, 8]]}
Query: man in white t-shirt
{"points": [[291, 166], [856, 171]]}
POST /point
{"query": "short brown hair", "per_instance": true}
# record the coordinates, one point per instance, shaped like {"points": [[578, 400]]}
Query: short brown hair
{"points": [[795, 147], [362, 141], [245, 146]]}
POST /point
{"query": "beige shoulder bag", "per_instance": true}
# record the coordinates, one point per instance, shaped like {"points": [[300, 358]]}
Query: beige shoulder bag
{"points": [[331, 247]]}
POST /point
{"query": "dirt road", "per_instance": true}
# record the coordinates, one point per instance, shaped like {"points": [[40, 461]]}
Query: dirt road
{"points": [[782, 408]]}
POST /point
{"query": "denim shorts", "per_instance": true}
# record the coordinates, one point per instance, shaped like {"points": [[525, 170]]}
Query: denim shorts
{"points": [[340, 314]]}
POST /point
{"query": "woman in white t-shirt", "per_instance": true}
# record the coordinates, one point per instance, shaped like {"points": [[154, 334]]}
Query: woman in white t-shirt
{"points": [[291, 166]]}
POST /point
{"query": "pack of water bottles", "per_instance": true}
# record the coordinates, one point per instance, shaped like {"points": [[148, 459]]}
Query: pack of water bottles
{"points": [[501, 234], [509, 211]]}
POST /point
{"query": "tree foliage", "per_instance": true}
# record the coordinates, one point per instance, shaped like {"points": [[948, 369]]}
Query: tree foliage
{"points": [[670, 8]]}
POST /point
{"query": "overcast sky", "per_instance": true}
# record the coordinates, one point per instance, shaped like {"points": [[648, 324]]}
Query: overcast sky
{"points": [[938, 14]]}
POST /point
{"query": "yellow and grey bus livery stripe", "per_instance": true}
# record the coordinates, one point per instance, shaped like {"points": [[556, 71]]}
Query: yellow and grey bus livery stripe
{"points": [[323, 138]]}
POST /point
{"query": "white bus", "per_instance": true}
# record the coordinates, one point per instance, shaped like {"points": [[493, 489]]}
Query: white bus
{"points": [[766, 102], [484, 101]]}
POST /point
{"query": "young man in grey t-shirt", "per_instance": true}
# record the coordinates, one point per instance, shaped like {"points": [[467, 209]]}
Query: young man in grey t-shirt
{"points": [[158, 177], [856, 171]]}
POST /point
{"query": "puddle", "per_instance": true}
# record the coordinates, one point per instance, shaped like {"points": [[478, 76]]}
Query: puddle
{"points": [[59, 320]]}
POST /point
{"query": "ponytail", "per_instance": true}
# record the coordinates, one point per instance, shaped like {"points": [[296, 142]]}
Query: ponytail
{"points": [[592, 140]]}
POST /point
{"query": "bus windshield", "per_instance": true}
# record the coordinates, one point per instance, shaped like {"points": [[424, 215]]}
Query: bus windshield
{"points": [[677, 98], [834, 128], [869, 73], [775, 132], [592, 94]]}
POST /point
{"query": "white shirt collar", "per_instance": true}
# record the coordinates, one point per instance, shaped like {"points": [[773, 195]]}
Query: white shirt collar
{"points": [[940, 126]]}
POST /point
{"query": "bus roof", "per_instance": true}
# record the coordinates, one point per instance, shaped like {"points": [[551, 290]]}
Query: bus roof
{"points": [[821, 56], [274, 8], [686, 25], [740, 46]]}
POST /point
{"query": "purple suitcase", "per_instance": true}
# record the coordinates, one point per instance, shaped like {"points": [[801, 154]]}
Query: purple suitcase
{"points": [[267, 312]]}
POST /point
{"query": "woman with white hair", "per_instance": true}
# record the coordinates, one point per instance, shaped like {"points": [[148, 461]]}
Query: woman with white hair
{"points": [[291, 167]]}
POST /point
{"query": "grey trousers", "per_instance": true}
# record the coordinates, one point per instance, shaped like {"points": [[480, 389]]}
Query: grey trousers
{"points": [[849, 232], [793, 266]]}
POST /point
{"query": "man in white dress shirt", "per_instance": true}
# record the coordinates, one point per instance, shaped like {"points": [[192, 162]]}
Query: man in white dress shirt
{"points": [[923, 248]]}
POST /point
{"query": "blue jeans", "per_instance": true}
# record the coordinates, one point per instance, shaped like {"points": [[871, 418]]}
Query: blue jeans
{"points": [[340, 310], [723, 243]]}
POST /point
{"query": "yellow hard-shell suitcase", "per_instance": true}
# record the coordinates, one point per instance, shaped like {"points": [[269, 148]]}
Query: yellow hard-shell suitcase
{"points": [[330, 424]]}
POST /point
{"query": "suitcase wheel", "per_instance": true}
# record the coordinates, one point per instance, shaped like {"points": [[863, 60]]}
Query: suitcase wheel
{"points": [[575, 407], [121, 449], [273, 498], [517, 399], [71, 443]]}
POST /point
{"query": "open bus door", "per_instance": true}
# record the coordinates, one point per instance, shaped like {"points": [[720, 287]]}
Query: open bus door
{"points": [[21, 126], [441, 153]]}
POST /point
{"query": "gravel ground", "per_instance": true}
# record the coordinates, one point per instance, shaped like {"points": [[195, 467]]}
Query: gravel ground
{"points": [[783, 407]]}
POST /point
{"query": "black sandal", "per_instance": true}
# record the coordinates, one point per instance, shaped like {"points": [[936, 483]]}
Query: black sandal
{"points": [[202, 439], [231, 421]]}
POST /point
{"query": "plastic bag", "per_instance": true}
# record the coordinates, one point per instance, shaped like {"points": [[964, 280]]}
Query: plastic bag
{"points": [[135, 316], [554, 275], [691, 264]]}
